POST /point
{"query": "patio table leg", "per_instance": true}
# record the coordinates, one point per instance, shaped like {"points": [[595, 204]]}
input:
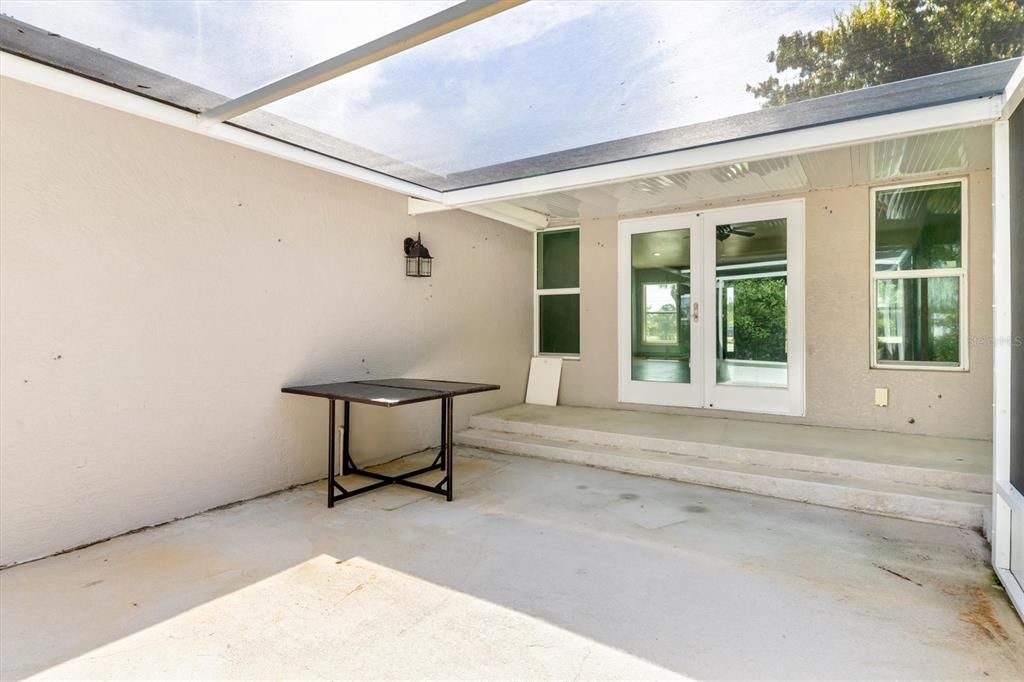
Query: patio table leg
{"points": [[445, 460], [449, 454], [330, 453], [439, 461], [346, 457]]}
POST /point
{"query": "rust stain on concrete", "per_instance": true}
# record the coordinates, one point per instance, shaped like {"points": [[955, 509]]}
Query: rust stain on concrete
{"points": [[978, 612]]}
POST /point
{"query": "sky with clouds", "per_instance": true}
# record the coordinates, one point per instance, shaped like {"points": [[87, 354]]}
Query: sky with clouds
{"points": [[543, 77]]}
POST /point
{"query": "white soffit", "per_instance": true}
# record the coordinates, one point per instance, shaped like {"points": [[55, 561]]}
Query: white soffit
{"points": [[947, 152]]}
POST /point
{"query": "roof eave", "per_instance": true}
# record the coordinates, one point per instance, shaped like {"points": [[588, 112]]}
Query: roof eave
{"points": [[962, 114]]}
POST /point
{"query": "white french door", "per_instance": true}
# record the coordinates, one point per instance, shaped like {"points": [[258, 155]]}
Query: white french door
{"points": [[659, 294], [711, 309]]}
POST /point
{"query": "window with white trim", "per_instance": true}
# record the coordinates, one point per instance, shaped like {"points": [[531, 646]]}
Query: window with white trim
{"points": [[919, 276], [557, 300]]}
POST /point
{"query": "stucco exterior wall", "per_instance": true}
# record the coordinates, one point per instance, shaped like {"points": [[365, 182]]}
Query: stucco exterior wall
{"points": [[158, 288], [840, 383]]}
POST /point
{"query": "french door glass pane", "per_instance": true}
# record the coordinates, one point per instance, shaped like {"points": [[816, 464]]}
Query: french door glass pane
{"points": [[660, 271], [750, 292], [559, 323], [918, 320]]}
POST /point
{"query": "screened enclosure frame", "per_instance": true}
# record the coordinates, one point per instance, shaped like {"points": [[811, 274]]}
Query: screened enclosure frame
{"points": [[961, 273], [419, 32], [964, 98]]}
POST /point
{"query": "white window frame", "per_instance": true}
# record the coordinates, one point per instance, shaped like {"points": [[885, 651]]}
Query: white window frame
{"points": [[961, 273], [647, 340], [537, 293]]}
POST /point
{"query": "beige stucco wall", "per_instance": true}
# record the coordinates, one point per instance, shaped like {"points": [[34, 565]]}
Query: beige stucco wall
{"points": [[159, 288], [840, 384]]}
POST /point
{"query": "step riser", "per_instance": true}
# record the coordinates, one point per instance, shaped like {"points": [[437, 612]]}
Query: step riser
{"points": [[871, 471], [943, 512]]}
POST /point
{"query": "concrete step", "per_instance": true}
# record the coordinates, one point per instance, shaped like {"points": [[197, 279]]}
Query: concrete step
{"points": [[916, 502], [848, 454]]}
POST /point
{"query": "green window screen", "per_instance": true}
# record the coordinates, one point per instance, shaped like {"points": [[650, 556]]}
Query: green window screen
{"points": [[560, 324], [558, 259], [918, 228]]}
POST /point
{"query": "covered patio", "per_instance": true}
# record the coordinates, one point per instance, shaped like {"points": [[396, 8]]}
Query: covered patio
{"points": [[739, 381]]}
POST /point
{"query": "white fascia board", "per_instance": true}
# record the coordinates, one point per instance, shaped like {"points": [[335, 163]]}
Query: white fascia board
{"points": [[510, 214], [34, 73], [436, 25], [930, 119], [517, 216], [421, 207], [1014, 92], [535, 220]]}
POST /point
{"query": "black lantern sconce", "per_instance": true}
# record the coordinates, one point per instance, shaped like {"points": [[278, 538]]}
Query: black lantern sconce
{"points": [[417, 258]]}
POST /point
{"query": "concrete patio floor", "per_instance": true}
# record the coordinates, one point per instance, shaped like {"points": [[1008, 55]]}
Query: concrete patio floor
{"points": [[536, 570]]}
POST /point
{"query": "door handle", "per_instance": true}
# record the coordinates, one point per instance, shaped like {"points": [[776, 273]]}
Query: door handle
{"points": [[696, 312]]}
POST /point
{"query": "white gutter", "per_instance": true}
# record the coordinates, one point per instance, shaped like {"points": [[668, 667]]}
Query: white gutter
{"points": [[34, 73]]}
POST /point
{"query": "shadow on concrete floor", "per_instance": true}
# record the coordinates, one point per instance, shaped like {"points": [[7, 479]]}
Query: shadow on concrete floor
{"points": [[535, 570]]}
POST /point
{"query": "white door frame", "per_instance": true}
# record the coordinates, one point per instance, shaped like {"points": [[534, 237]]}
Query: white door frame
{"points": [[768, 400], [657, 392], [703, 391]]}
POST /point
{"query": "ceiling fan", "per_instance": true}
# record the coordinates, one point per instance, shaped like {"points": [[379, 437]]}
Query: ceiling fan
{"points": [[723, 232]]}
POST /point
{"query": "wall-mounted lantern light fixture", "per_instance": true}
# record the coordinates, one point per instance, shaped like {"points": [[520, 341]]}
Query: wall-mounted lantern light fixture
{"points": [[417, 258]]}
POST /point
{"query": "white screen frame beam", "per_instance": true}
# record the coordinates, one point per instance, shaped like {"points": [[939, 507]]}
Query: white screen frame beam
{"points": [[436, 25]]}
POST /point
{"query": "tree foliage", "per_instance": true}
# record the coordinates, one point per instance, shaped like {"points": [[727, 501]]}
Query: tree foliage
{"points": [[882, 41], [759, 319]]}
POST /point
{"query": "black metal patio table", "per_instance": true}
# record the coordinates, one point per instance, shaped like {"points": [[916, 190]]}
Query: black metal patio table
{"points": [[390, 393]]}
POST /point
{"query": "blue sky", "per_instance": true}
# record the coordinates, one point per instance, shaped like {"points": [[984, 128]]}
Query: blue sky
{"points": [[542, 77]]}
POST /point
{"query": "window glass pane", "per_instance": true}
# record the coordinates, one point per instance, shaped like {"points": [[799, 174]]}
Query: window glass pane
{"points": [[661, 313], [560, 324], [919, 320], [558, 259], [660, 263], [918, 228], [750, 282]]}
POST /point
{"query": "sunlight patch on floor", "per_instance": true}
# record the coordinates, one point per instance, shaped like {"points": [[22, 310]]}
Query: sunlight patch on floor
{"points": [[352, 618]]}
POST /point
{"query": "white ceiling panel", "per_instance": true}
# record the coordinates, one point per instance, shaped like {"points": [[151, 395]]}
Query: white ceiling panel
{"points": [[943, 152]]}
